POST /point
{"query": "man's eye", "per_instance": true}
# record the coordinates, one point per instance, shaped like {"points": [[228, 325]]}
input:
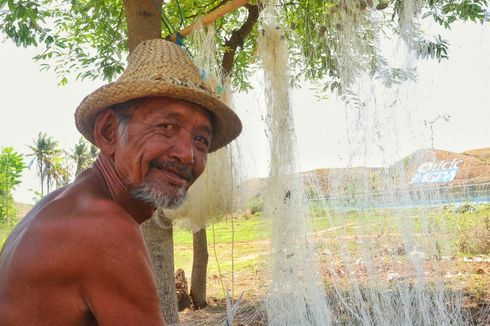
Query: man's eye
{"points": [[166, 126], [202, 140]]}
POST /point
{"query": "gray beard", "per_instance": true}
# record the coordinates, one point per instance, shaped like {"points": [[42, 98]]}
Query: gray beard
{"points": [[152, 196]]}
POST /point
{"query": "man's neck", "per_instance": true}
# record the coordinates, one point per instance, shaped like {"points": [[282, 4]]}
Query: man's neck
{"points": [[104, 168]]}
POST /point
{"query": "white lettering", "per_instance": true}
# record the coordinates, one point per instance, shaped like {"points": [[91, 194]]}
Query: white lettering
{"points": [[445, 166], [443, 171], [457, 163], [426, 167]]}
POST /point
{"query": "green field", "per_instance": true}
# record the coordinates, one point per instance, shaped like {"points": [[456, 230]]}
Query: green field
{"points": [[240, 243], [5, 228], [244, 246]]}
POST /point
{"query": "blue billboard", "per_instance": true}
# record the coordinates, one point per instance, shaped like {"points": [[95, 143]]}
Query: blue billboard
{"points": [[431, 172]]}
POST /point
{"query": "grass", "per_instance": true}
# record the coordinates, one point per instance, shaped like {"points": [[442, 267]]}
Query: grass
{"points": [[378, 229], [246, 228], [6, 228], [246, 235], [242, 244]]}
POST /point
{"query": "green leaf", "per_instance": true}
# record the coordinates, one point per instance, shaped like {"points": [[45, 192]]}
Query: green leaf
{"points": [[63, 81], [89, 37], [11, 5]]}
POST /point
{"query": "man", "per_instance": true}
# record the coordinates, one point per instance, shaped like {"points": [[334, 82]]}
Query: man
{"points": [[79, 258]]}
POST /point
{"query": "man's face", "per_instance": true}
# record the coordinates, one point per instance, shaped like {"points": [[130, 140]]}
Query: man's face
{"points": [[164, 150]]}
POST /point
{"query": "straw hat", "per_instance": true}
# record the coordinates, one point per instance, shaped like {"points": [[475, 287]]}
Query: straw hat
{"points": [[160, 68]]}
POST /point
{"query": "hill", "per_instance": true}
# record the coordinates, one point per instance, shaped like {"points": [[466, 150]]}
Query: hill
{"points": [[425, 169], [22, 209]]}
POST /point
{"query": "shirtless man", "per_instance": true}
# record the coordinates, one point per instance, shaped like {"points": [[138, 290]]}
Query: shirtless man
{"points": [[79, 258]]}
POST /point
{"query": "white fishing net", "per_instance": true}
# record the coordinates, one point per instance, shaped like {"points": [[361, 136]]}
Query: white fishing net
{"points": [[357, 245], [212, 194]]}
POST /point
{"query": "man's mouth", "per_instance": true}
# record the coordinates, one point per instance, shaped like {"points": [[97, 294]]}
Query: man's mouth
{"points": [[178, 174]]}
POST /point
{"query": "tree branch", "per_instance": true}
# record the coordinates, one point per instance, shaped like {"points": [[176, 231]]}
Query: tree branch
{"points": [[237, 38], [211, 16]]}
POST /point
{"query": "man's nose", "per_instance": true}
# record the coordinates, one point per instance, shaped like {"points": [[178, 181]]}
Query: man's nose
{"points": [[183, 150]]}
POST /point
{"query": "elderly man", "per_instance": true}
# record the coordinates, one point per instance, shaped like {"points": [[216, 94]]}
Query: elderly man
{"points": [[79, 258]]}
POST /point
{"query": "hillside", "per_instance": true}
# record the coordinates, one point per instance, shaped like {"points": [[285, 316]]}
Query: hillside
{"points": [[472, 166], [423, 169], [22, 209]]}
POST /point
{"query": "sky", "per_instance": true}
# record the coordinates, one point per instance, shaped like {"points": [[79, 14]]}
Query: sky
{"points": [[395, 123]]}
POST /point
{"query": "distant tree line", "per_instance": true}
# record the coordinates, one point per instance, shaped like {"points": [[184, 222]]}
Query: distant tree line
{"points": [[55, 167], [11, 166]]}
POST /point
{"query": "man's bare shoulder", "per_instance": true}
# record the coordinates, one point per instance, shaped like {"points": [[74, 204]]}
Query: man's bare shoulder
{"points": [[94, 222], [117, 271], [79, 235], [77, 222], [104, 227], [81, 245]]}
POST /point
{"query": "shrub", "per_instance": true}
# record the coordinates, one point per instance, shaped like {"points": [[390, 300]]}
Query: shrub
{"points": [[465, 208], [476, 240], [255, 205]]}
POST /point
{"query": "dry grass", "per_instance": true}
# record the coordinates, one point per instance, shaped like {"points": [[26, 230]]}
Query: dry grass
{"points": [[471, 272]]}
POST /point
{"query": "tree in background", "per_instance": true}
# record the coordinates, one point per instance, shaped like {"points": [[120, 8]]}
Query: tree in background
{"points": [[83, 155], [59, 169], [11, 166], [44, 153], [94, 152], [55, 166], [92, 38]]}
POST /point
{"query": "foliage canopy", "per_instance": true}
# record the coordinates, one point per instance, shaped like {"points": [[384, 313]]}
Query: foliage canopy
{"points": [[88, 37], [11, 167]]}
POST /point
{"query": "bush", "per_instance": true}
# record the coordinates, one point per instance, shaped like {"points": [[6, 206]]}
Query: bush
{"points": [[465, 208], [476, 240], [255, 205]]}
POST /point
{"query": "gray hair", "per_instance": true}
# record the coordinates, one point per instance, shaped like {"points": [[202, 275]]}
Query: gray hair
{"points": [[148, 194], [124, 112]]}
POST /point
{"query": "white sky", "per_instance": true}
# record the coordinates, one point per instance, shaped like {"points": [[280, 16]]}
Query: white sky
{"points": [[328, 134]]}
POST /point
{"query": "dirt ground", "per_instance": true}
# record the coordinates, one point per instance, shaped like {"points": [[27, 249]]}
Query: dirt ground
{"points": [[473, 275]]}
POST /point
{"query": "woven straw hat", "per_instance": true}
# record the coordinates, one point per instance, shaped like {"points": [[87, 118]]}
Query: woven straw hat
{"points": [[160, 68]]}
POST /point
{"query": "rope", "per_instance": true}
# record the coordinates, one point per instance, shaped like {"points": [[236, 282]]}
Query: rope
{"points": [[217, 262], [174, 33], [167, 22], [180, 14], [180, 40], [232, 228], [214, 238]]}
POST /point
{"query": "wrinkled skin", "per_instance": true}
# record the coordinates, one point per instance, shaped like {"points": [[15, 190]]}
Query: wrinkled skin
{"points": [[79, 257]]}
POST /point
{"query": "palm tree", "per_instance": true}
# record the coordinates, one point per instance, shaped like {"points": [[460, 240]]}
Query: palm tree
{"points": [[94, 152], [58, 171], [83, 155], [44, 150]]}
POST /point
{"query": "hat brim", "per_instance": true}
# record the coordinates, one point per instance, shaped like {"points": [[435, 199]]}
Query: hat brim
{"points": [[226, 127]]}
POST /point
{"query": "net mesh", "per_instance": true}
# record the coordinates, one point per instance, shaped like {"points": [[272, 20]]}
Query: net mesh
{"points": [[359, 245]]}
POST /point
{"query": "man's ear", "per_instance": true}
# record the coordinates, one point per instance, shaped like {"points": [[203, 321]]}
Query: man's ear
{"points": [[106, 131]]}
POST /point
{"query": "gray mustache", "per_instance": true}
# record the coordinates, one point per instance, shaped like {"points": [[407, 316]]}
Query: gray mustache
{"points": [[184, 170]]}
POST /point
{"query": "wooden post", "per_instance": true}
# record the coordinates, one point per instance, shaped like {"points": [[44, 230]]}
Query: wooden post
{"points": [[209, 18]]}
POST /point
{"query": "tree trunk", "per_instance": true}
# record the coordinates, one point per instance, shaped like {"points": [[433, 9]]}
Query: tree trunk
{"points": [[158, 233], [199, 268], [144, 22], [143, 19]]}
